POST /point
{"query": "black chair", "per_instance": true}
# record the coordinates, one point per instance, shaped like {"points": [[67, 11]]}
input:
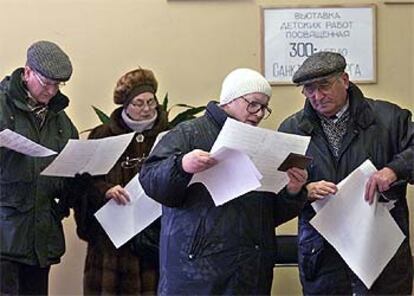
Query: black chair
{"points": [[287, 250]]}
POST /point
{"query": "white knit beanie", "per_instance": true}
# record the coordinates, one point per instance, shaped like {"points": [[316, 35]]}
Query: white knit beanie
{"points": [[241, 82]]}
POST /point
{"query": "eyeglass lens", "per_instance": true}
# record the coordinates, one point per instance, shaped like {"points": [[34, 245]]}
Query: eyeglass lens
{"points": [[44, 83], [254, 107], [324, 87]]}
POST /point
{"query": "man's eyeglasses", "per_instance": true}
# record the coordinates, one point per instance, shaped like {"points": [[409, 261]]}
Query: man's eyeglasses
{"points": [[42, 81], [254, 107], [324, 87]]}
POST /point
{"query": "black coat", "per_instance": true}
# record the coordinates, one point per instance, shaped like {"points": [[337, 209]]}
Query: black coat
{"points": [[205, 249], [379, 131]]}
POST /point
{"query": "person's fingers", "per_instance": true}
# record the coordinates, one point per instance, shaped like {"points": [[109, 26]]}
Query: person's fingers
{"points": [[291, 175], [370, 189], [297, 175], [119, 194], [299, 172], [383, 185], [331, 187], [318, 196], [121, 200], [122, 195], [325, 190], [197, 161]]}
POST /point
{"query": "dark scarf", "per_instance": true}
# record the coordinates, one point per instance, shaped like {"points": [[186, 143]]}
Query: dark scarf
{"points": [[335, 130], [39, 110]]}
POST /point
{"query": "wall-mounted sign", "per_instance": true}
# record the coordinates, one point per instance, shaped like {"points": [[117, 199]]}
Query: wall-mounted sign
{"points": [[290, 35]]}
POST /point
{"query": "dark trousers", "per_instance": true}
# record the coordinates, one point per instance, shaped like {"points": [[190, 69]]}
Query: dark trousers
{"points": [[22, 279]]}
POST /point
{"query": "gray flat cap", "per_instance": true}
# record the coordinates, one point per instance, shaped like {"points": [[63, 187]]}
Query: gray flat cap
{"points": [[319, 65], [48, 59]]}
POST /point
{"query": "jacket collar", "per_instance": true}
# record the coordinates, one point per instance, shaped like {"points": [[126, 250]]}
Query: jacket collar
{"points": [[118, 126], [216, 113], [361, 113], [18, 93]]}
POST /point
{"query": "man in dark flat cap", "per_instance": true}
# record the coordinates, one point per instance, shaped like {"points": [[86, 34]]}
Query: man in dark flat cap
{"points": [[346, 128], [31, 236]]}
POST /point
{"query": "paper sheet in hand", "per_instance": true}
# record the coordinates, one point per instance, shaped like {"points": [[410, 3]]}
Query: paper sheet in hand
{"points": [[95, 157], [21, 144], [366, 236], [233, 175], [295, 160], [266, 148], [122, 222]]}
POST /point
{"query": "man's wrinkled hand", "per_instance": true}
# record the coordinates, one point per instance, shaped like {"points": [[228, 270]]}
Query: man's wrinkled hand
{"points": [[380, 181], [320, 189]]}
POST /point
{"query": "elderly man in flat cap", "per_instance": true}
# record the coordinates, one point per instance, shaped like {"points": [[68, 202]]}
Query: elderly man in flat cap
{"points": [[31, 236], [346, 128]]}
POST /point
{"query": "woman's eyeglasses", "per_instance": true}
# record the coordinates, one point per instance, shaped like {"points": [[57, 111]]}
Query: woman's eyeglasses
{"points": [[254, 107], [151, 103]]}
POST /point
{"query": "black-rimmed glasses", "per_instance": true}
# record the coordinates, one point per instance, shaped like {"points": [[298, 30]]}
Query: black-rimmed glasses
{"points": [[254, 107]]}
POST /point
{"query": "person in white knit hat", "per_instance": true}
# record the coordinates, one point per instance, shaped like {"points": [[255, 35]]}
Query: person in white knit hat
{"points": [[209, 250], [245, 96]]}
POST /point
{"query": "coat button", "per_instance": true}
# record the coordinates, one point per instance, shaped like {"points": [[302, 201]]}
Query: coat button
{"points": [[257, 247], [191, 256], [313, 251]]}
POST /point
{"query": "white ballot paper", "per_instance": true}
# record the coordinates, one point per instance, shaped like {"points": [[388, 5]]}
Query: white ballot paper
{"points": [[366, 236], [266, 148], [95, 157], [21, 144], [234, 174], [122, 222]]}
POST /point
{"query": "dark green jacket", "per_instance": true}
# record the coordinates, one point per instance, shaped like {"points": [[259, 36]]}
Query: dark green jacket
{"points": [[30, 210]]}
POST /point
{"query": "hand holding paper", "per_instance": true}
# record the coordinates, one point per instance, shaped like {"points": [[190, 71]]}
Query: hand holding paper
{"points": [[197, 161], [297, 179], [266, 148], [122, 222], [233, 175], [118, 194], [365, 235]]}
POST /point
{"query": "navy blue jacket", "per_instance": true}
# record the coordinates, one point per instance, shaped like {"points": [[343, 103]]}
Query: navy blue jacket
{"points": [[205, 249], [379, 131]]}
